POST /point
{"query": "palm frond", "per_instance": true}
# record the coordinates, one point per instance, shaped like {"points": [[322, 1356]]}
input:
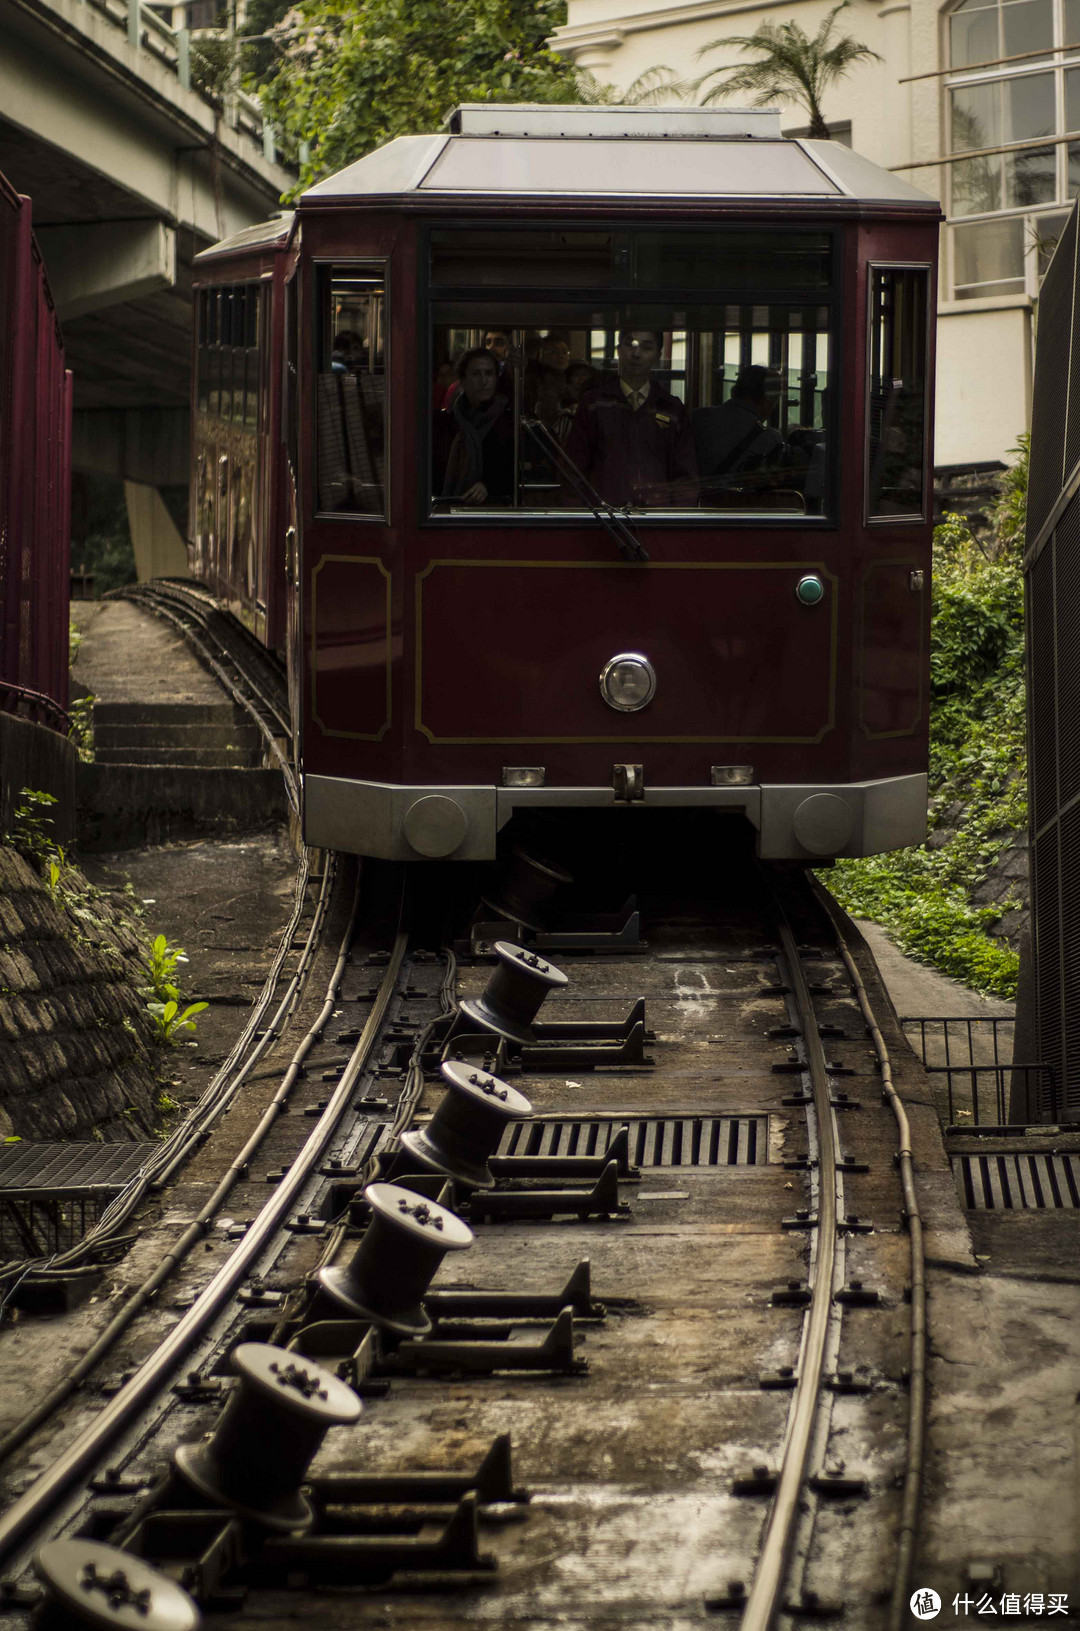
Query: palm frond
{"points": [[654, 86]]}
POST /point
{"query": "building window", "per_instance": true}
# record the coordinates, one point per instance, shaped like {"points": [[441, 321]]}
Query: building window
{"points": [[1012, 104]]}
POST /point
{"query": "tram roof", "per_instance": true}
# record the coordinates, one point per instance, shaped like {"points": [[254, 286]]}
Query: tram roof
{"points": [[522, 150], [261, 236]]}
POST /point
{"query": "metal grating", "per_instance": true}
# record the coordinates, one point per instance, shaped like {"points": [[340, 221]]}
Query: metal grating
{"points": [[1042, 680], [1052, 367], [27, 1168], [1017, 1183], [655, 1141], [1046, 918], [51, 1194]]}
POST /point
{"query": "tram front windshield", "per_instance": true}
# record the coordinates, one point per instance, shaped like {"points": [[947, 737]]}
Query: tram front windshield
{"points": [[716, 399]]}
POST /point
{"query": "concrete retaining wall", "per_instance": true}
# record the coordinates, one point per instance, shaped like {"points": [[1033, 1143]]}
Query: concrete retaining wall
{"points": [[35, 756]]}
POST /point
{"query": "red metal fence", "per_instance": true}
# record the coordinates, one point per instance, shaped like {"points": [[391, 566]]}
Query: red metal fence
{"points": [[35, 479]]}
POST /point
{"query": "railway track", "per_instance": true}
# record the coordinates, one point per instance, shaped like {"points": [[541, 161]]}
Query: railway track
{"points": [[701, 1336]]}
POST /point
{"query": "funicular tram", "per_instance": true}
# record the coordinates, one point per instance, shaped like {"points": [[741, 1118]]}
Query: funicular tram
{"points": [[594, 453]]}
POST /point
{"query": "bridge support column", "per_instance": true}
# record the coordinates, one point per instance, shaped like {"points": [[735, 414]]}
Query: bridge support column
{"points": [[160, 552]]}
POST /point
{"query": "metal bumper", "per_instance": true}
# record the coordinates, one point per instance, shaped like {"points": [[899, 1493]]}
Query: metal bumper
{"points": [[804, 822]]}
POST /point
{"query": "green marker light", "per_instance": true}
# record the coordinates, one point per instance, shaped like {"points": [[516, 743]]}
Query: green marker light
{"points": [[809, 590]]}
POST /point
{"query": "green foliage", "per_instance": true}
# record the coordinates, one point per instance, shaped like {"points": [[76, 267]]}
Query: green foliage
{"points": [[101, 538], [214, 65], [169, 1021], [29, 819], [161, 964], [978, 759], [350, 78], [791, 66], [81, 714]]}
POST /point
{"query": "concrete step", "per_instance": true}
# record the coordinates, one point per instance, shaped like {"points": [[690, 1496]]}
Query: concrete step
{"points": [[223, 757], [136, 804], [228, 735], [168, 713]]}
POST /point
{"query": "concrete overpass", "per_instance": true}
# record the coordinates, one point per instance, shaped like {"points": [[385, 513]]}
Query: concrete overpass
{"points": [[131, 170]]}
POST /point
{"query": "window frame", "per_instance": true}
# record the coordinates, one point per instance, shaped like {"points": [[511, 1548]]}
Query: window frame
{"points": [[322, 267], [871, 521], [1056, 60], [832, 297]]}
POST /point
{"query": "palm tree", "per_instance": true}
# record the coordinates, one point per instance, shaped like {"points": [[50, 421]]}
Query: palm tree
{"points": [[791, 66]]}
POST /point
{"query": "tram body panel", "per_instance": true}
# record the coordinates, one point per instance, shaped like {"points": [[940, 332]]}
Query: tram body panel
{"points": [[448, 659]]}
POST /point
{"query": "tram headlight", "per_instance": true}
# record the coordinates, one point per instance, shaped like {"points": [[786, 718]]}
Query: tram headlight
{"points": [[628, 682]]}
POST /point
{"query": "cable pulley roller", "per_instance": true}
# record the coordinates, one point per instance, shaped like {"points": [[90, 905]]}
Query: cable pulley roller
{"points": [[268, 1435]]}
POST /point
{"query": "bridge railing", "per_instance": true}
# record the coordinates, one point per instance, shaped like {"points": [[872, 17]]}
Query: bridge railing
{"points": [[147, 30]]}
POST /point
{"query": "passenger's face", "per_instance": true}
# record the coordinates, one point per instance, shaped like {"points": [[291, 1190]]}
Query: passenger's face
{"points": [[479, 382], [555, 353], [498, 343], [638, 355]]}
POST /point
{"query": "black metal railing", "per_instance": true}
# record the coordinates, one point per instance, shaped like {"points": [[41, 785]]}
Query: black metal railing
{"points": [[975, 1057]]}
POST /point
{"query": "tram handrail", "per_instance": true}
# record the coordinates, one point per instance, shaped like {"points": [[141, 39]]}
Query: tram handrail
{"points": [[629, 545]]}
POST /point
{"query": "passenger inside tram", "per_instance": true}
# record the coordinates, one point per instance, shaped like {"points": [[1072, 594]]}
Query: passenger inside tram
{"points": [[737, 445], [478, 434], [631, 438], [718, 408]]}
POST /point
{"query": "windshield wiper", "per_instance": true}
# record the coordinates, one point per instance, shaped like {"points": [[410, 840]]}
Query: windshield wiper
{"points": [[629, 545]]}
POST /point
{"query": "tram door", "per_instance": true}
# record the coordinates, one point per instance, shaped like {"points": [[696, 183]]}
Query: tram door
{"points": [[294, 619], [347, 577]]}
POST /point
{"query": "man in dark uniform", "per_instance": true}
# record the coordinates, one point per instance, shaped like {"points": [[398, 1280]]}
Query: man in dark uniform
{"points": [[630, 438]]}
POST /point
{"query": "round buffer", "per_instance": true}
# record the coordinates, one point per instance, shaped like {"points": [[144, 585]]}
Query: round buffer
{"points": [[390, 1271], [100, 1587], [511, 999], [466, 1129], [257, 1457]]}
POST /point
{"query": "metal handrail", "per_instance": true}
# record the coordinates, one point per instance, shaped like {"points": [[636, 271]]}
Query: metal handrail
{"points": [[12, 695], [171, 47]]}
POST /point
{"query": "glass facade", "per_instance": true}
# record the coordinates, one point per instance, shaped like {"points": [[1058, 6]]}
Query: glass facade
{"points": [[1012, 102]]}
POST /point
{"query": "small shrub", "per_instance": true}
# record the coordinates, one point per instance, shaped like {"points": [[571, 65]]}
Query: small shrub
{"points": [[29, 821], [161, 965], [169, 1021]]}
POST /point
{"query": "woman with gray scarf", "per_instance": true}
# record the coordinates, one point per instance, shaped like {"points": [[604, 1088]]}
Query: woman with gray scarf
{"points": [[480, 466]]}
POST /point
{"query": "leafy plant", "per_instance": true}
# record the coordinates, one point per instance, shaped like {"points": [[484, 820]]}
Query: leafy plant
{"points": [[347, 79], [161, 964], [81, 714], [927, 897], [29, 821], [791, 67], [169, 1021]]}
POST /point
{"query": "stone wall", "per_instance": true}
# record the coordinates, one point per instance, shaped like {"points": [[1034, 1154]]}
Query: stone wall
{"points": [[76, 1059], [34, 756]]}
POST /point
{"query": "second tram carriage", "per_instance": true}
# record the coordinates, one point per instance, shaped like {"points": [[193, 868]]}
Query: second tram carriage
{"points": [[580, 458]]}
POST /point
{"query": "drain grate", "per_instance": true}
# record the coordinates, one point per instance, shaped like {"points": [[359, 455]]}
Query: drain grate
{"points": [[1014, 1183], [655, 1141]]}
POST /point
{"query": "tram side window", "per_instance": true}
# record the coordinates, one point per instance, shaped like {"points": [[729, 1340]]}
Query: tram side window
{"points": [[351, 391], [710, 407], [898, 383]]}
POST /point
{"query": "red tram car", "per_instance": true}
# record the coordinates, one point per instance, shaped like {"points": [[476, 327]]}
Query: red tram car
{"points": [[35, 479], [603, 482]]}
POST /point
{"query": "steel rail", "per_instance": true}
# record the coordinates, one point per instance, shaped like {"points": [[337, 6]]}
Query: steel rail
{"points": [[31, 1510], [917, 1328], [196, 597], [201, 605], [195, 1232], [764, 1599]]}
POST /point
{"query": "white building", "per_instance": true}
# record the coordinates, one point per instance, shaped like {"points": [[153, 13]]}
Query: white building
{"points": [[976, 103]]}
